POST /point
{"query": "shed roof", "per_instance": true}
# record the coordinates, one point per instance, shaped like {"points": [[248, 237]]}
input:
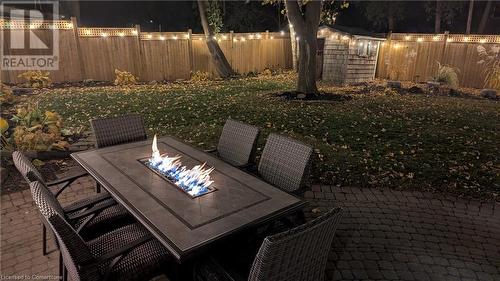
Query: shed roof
{"points": [[357, 33]]}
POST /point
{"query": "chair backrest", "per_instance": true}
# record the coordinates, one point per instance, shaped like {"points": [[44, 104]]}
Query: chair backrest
{"points": [[24, 166], [118, 130], [237, 142], [285, 162], [297, 254], [75, 252]]}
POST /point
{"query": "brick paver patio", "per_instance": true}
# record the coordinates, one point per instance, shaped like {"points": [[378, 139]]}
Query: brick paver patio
{"points": [[384, 235]]}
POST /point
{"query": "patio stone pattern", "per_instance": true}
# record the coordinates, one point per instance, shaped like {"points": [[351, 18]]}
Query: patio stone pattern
{"points": [[384, 235]]}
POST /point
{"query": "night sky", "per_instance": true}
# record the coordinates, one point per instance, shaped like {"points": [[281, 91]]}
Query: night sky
{"points": [[240, 16]]}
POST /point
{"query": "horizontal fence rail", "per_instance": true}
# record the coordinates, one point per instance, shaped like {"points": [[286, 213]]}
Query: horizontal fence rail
{"points": [[415, 57], [94, 53]]}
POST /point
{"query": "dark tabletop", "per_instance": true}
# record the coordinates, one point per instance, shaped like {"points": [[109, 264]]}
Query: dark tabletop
{"points": [[184, 224]]}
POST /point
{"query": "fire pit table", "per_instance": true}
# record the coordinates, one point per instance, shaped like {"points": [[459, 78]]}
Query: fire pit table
{"points": [[184, 221]]}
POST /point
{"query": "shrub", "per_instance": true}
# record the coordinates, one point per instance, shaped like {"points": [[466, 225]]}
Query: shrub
{"points": [[490, 60], [125, 78], [38, 131], [266, 72], [4, 126], [199, 76], [6, 95], [36, 79], [447, 75]]}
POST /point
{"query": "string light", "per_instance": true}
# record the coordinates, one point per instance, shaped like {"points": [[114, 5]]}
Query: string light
{"points": [[134, 32], [449, 40], [224, 37], [282, 33], [104, 35], [420, 39], [87, 31], [162, 38], [466, 39], [250, 36], [435, 38], [258, 36], [150, 36], [407, 37], [199, 39], [345, 37], [272, 37], [186, 36], [242, 39], [175, 37], [482, 41], [121, 34]]}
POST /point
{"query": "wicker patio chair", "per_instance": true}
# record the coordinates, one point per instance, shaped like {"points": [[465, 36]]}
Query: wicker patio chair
{"points": [[93, 216], [237, 143], [285, 163], [127, 253], [299, 254], [117, 130], [24, 165]]}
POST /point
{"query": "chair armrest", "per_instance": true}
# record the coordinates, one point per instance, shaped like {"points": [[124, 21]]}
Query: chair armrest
{"points": [[212, 150], [118, 254], [125, 249], [86, 203], [69, 178], [92, 211]]}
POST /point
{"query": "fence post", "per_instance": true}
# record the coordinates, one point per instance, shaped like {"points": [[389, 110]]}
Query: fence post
{"points": [[443, 49], [142, 69], [387, 61], [231, 42], [190, 49], [74, 23]]}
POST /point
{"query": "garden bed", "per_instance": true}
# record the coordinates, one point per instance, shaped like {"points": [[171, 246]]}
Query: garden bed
{"points": [[376, 139]]}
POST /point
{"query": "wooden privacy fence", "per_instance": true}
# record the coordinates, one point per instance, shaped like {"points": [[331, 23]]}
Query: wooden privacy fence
{"points": [[94, 53], [414, 57]]}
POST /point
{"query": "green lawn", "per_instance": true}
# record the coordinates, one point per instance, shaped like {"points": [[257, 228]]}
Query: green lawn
{"points": [[377, 140]]}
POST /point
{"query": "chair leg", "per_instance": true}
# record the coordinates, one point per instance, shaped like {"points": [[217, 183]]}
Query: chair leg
{"points": [[65, 274], [44, 240], [98, 188], [61, 266]]}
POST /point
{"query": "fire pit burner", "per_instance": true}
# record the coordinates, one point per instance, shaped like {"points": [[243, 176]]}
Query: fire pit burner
{"points": [[195, 181]]}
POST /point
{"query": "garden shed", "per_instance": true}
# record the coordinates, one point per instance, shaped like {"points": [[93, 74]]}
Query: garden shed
{"points": [[349, 55]]}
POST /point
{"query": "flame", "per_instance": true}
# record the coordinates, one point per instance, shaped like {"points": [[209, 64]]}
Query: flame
{"points": [[194, 181]]}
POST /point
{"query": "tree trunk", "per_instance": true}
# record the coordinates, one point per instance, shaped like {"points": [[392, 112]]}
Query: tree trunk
{"points": [[469, 17], [390, 17], [293, 42], [306, 65], [306, 23], [70, 9], [437, 18], [221, 64], [484, 17]]}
